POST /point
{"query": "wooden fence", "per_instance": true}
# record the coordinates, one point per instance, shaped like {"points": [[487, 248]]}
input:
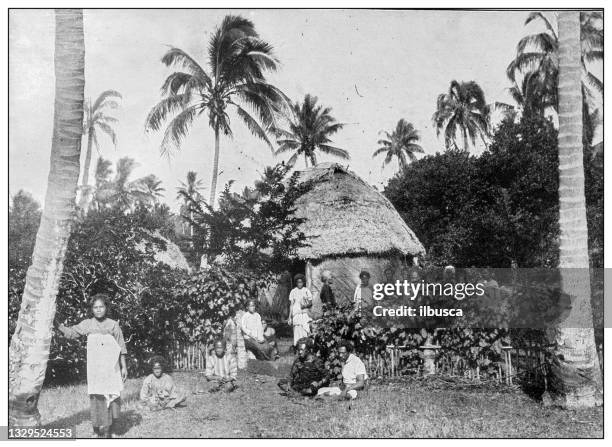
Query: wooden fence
{"points": [[524, 364], [187, 356]]}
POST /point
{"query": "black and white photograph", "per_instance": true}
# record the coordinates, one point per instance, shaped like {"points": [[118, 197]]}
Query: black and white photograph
{"points": [[353, 222]]}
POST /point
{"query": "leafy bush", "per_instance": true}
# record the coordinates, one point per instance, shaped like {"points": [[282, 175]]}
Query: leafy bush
{"points": [[113, 253], [256, 230]]}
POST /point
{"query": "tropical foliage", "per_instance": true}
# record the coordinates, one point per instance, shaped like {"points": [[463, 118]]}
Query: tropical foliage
{"points": [[23, 221], [113, 252], [122, 193], [534, 71], [309, 129], [233, 79], [401, 144], [256, 231], [97, 120], [539, 53], [462, 114], [490, 210]]}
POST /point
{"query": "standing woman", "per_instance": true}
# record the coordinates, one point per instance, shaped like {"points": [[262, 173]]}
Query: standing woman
{"points": [[106, 367], [300, 300]]}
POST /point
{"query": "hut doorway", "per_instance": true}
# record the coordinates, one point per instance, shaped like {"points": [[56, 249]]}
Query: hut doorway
{"points": [[297, 266]]}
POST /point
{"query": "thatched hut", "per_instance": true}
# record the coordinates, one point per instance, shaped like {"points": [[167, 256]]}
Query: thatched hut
{"points": [[350, 227]]}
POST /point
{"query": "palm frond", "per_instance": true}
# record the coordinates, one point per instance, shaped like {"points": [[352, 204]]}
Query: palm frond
{"points": [[380, 150], [177, 81], [540, 16], [178, 129], [593, 82], [108, 130], [286, 146], [177, 57], [253, 125], [335, 151], [163, 109], [543, 42], [104, 97], [220, 45]]}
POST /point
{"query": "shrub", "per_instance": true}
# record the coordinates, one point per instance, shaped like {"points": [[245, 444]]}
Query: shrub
{"points": [[114, 253]]}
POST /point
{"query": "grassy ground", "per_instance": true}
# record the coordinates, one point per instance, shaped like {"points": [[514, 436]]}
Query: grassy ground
{"points": [[256, 409]]}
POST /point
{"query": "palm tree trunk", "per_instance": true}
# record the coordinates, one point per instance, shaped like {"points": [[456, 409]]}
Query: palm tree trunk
{"points": [[306, 159], [573, 369], [85, 191], [29, 348], [215, 173]]}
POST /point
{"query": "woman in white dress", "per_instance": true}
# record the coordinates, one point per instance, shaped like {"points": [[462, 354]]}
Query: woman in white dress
{"points": [[300, 300]]}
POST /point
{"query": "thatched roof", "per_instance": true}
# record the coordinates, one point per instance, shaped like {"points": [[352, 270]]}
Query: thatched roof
{"points": [[346, 216]]}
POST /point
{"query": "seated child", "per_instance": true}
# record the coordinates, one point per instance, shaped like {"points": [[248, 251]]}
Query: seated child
{"points": [[221, 369], [158, 391]]}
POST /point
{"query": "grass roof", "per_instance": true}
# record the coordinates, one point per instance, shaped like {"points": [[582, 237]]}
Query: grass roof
{"points": [[346, 216]]}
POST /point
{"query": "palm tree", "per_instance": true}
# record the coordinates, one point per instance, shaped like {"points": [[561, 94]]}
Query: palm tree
{"points": [[462, 111], [537, 57], [574, 364], [123, 194], [30, 343], [152, 187], [309, 128], [536, 94], [191, 188], [237, 60], [104, 169], [400, 144], [187, 192], [97, 119]]}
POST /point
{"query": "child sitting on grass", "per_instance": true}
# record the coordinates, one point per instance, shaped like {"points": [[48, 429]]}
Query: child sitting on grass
{"points": [[221, 369], [158, 391]]}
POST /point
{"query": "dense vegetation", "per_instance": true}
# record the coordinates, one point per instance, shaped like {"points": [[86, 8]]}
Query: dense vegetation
{"points": [[499, 208]]}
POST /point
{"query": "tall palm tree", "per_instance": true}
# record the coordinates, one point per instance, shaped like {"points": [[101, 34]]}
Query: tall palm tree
{"points": [[462, 111], [574, 362], [400, 144], [309, 128], [237, 60], [124, 194], [537, 58], [187, 192], [97, 120], [30, 343]]}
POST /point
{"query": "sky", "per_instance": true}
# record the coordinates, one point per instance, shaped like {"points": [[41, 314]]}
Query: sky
{"points": [[371, 67]]}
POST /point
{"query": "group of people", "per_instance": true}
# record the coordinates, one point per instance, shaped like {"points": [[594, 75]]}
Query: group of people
{"points": [[309, 376], [107, 368], [300, 301]]}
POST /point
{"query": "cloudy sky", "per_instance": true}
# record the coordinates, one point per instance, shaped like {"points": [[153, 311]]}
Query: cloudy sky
{"points": [[371, 67]]}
